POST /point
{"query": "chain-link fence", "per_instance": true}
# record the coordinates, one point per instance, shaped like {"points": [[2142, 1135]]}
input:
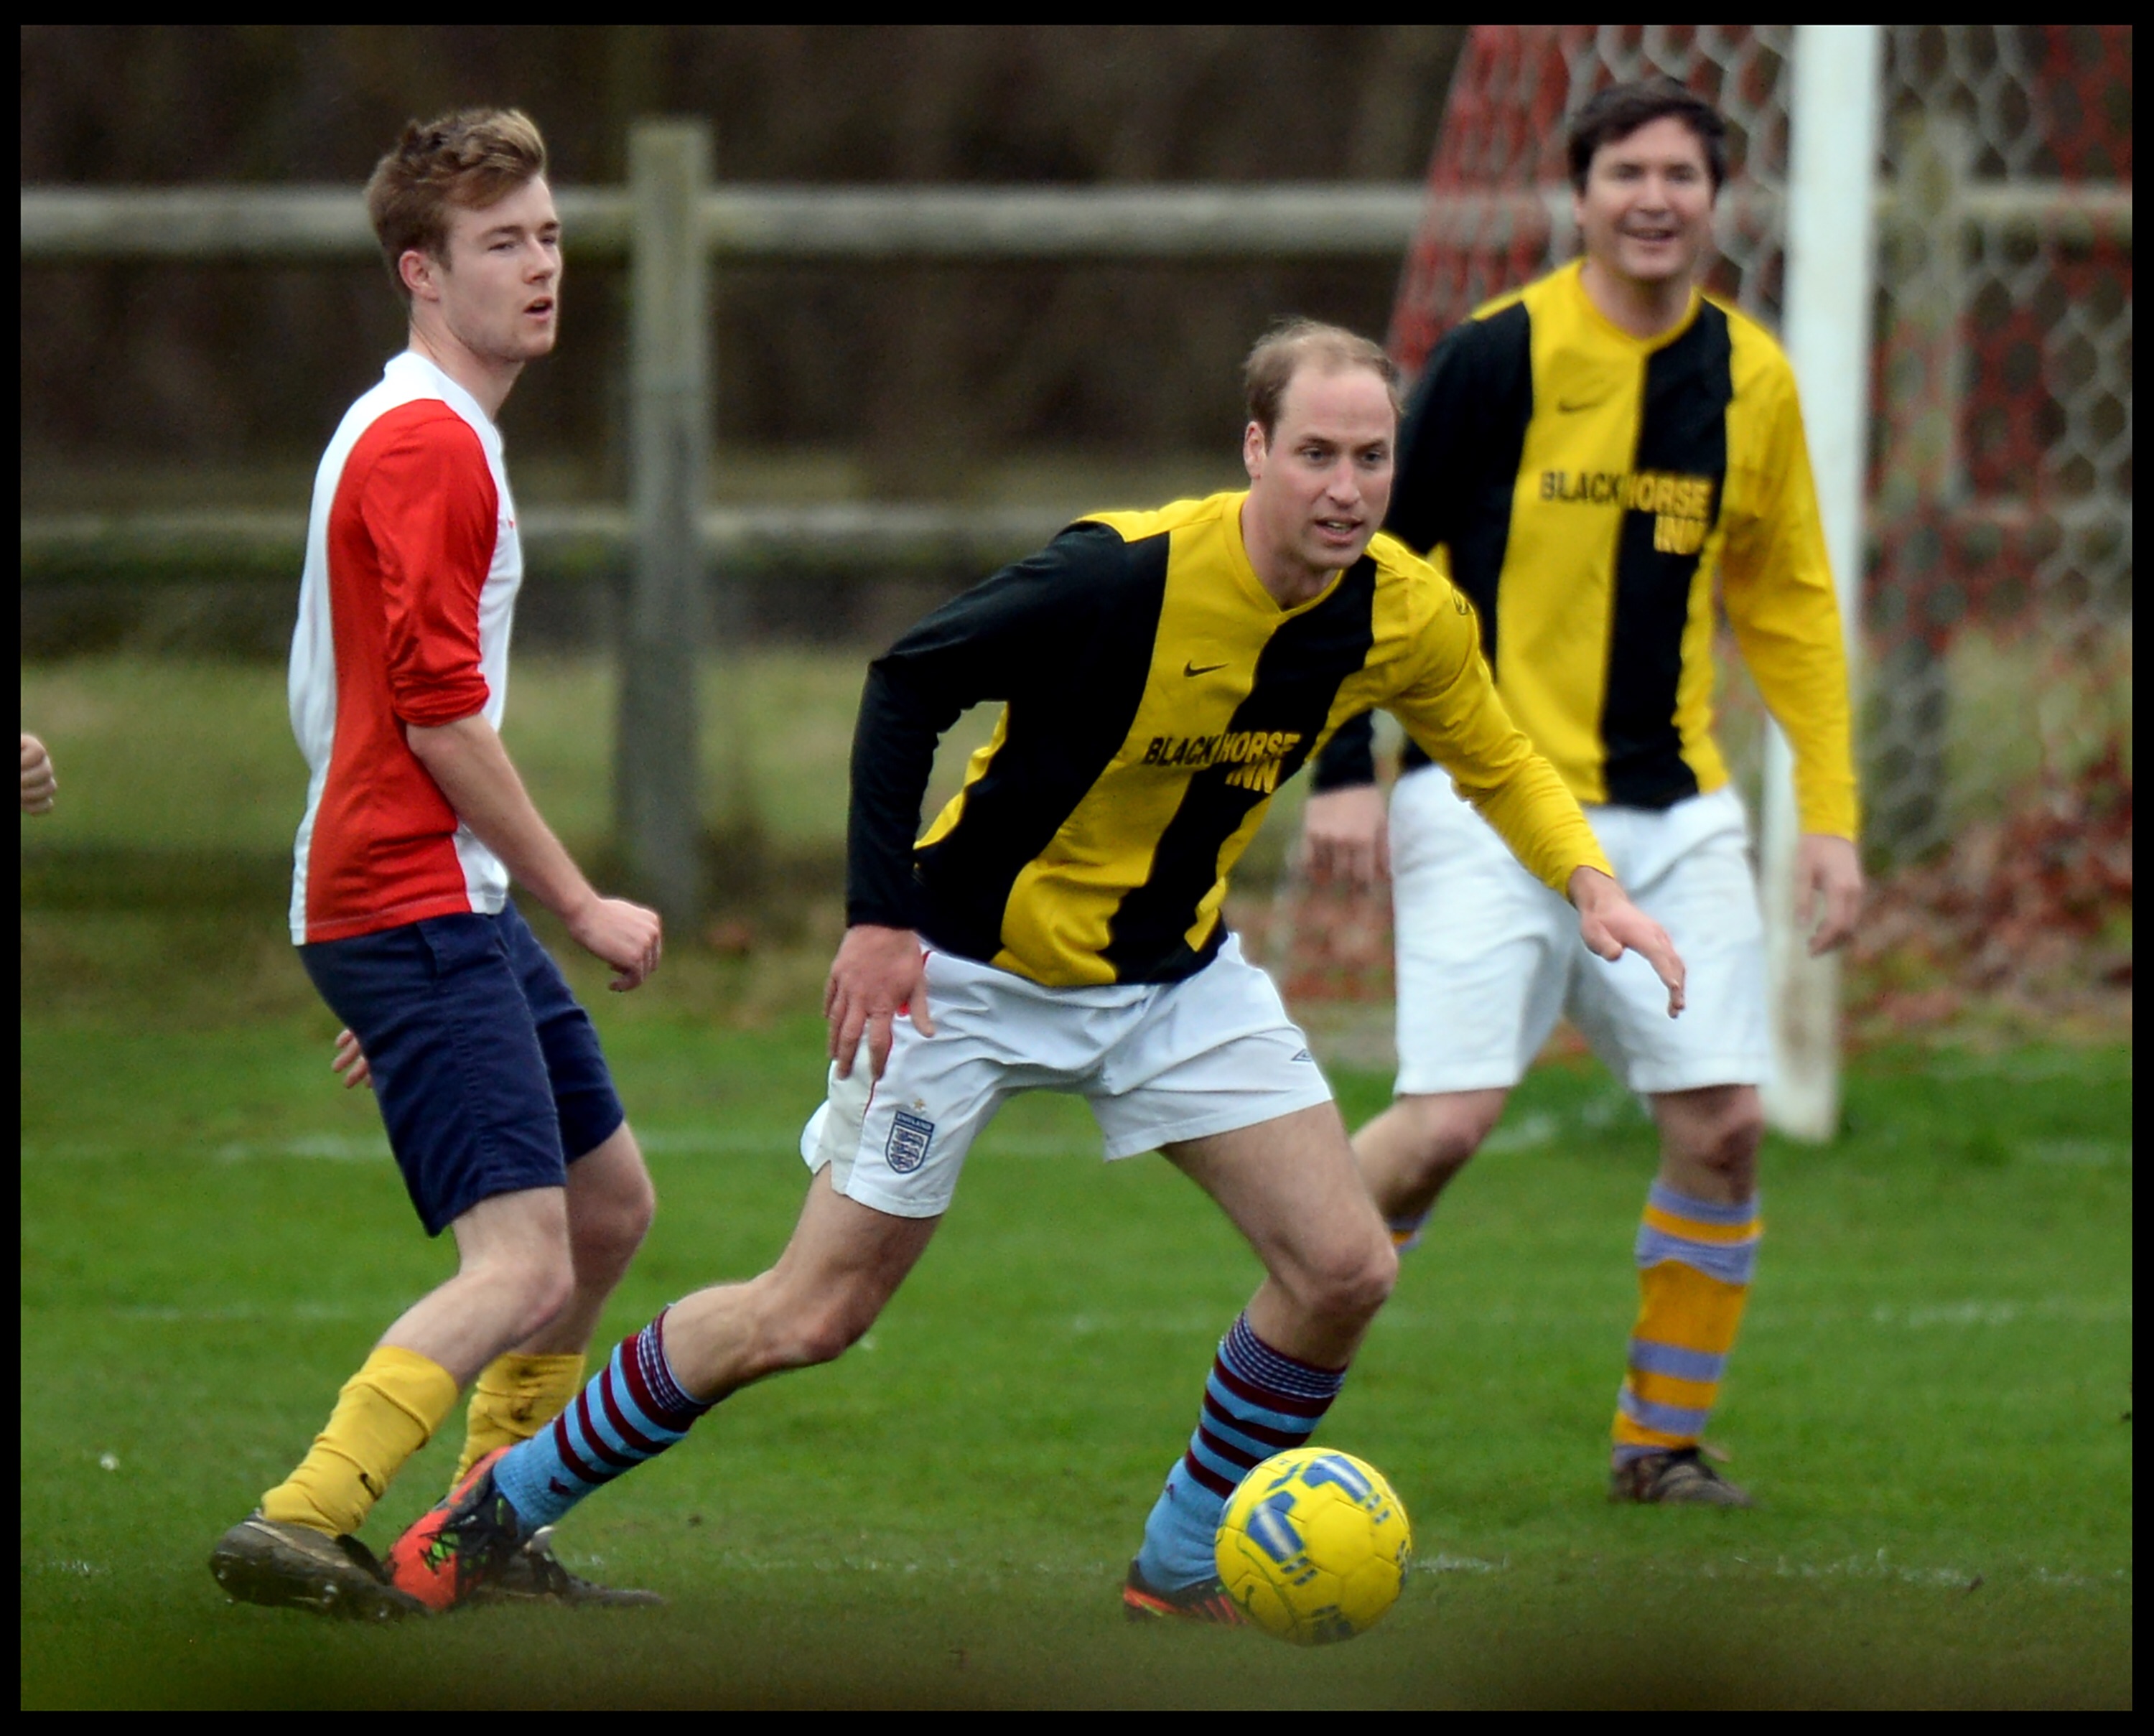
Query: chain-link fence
{"points": [[1995, 735]]}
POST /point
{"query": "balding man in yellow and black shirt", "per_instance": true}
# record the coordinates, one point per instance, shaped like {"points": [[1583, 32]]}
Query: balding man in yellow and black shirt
{"points": [[1155, 694], [1592, 458], [1059, 928]]}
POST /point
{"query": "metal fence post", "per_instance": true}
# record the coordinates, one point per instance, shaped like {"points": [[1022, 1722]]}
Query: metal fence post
{"points": [[657, 792]]}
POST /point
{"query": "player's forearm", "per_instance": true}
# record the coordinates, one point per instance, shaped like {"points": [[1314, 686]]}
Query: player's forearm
{"points": [[467, 761], [1591, 892]]}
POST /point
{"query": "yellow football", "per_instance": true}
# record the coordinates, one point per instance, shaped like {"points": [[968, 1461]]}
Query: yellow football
{"points": [[1315, 1545]]}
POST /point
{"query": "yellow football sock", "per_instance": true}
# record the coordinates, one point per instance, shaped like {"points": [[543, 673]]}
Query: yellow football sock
{"points": [[514, 1397], [1695, 1262], [385, 1414]]}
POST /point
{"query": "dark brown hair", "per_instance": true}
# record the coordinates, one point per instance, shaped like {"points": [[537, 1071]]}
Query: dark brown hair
{"points": [[1613, 114], [1280, 353], [471, 158]]}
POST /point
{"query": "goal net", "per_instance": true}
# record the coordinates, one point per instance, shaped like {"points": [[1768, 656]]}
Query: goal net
{"points": [[1996, 620]]}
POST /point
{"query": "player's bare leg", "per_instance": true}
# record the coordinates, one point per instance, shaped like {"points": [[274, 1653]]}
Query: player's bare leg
{"points": [[606, 1221], [1698, 1247], [1709, 1142], [515, 1274], [1291, 1185], [1410, 1153], [610, 1203], [844, 1264]]}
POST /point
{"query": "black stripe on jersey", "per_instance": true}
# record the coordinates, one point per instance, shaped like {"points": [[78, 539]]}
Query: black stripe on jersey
{"points": [[1682, 428], [1297, 678], [1073, 689], [1459, 453], [1487, 406]]}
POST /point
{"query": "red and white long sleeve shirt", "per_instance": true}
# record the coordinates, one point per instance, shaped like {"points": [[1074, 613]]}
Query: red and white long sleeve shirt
{"points": [[412, 568]]}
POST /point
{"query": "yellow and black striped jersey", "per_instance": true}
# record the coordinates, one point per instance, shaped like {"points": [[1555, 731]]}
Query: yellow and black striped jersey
{"points": [[1588, 488], [1154, 695]]}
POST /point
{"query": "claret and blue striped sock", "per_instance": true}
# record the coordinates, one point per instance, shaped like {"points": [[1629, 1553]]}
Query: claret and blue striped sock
{"points": [[1696, 1259], [1258, 1402], [632, 1410]]}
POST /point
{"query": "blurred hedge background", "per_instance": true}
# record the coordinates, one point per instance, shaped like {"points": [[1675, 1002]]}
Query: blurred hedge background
{"points": [[162, 384], [1075, 387]]}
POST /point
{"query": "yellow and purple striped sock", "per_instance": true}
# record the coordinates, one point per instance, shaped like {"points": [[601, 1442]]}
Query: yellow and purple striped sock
{"points": [[1695, 1261]]}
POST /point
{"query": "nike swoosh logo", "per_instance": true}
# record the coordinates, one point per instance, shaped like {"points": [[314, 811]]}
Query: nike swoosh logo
{"points": [[1196, 668], [1568, 408]]}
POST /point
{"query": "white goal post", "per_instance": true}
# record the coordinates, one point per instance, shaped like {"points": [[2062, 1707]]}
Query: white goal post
{"points": [[1837, 73]]}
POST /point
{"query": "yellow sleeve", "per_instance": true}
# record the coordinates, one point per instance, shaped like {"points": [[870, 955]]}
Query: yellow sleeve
{"points": [[1777, 584], [1452, 710]]}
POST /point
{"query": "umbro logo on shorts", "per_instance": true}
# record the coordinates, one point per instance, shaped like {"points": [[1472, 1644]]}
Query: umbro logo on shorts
{"points": [[910, 1137], [1303, 1055]]}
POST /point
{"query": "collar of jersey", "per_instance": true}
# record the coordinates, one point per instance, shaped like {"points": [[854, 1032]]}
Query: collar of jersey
{"points": [[1245, 571], [1575, 271], [446, 388]]}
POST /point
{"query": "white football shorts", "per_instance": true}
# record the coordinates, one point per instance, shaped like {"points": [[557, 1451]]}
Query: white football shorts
{"points": [[1489, 957], [1157, 1062]]}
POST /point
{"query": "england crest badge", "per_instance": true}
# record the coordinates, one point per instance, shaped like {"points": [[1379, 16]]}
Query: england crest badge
{"points": [[910, 1137]]}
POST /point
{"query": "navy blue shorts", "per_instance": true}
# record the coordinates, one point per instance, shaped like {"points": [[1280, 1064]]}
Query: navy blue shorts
{"points": [[487, 1071]]}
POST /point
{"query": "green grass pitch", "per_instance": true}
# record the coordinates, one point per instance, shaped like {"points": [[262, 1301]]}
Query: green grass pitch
{"points": [[1931, 1399]]}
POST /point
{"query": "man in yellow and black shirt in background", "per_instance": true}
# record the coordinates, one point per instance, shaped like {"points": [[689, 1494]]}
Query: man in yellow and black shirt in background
{"points": [[1591, 455], [1059, 928]]}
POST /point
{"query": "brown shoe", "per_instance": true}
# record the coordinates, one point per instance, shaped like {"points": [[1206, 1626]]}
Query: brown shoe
{"points": [[1674, 1479], [260, 1560]]}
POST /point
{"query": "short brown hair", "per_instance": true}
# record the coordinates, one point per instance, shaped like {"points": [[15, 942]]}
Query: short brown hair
{"points": [[1280, 353], [472, 158], [1613, 114]]}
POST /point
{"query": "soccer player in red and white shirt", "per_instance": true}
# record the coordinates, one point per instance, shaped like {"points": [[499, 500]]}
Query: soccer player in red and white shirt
{"points": [[497, 1102]]}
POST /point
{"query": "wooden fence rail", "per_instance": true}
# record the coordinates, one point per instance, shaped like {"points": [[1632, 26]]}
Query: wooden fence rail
{"points": [[670, 536]]}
